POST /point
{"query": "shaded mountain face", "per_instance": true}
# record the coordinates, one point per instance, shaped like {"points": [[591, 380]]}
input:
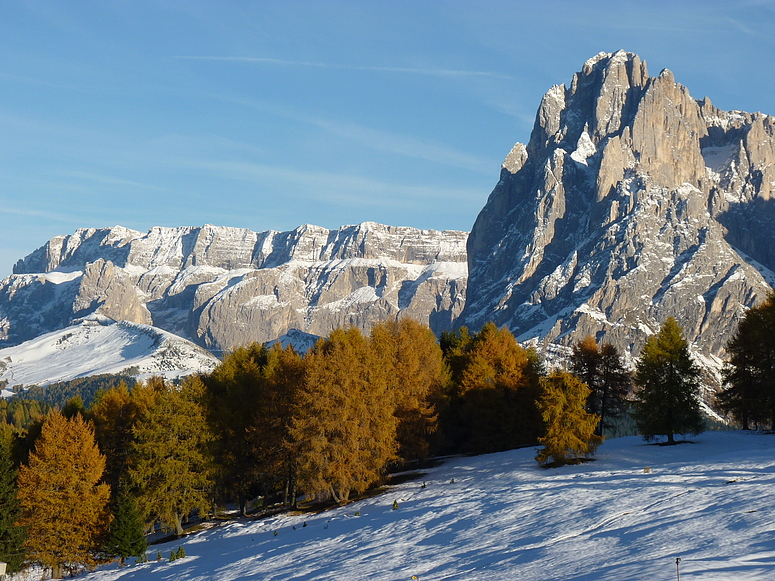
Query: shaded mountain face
{"points": [[631, 203], [224, 287]]}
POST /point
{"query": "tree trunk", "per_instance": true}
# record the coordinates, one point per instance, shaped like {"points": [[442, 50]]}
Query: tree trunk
{"points": [[56, 572], [670, 439], [178, 525]]}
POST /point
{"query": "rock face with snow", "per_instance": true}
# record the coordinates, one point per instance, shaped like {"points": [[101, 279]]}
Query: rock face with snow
{"points": [[223, 287], [631, 203]]}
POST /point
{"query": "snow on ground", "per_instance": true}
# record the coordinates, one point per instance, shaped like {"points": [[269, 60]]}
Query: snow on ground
{"points": [[101, 345], [626, 516]]}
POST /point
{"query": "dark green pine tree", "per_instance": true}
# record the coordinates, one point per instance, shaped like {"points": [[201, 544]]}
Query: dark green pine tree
{"points": [[125, 537], [669, 383], [12, 537]]}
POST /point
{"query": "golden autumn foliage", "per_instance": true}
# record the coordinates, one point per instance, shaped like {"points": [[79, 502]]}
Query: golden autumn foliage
{"points": [[172, 466], [499, 388], [62, 502], [344, 425], [114, 415], [416, 374], [570, 429]]}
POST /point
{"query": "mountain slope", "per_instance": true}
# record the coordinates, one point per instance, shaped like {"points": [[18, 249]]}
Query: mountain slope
{"points": [[499, 516], [632, 202], [223, 287], [99, 345]]}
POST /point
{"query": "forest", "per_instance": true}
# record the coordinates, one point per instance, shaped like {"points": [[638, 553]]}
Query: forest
{"points": [[270, 429]]}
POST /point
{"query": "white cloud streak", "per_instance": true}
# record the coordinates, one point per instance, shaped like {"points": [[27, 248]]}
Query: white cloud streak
{"points": [[320, 65]]}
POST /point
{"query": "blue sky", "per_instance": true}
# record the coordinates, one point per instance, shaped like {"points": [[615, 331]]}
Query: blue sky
{"points": [[268, 115]]}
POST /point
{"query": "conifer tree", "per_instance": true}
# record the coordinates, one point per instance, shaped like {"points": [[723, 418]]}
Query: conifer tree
{"points": [[498, 391], [602, 370], [344, 425], [172, 465], [126, 535], [749, 377], [570, 429], [12, 536], [668, 380], [410, 350], [114, 414], [234, 390], [63, 504]]}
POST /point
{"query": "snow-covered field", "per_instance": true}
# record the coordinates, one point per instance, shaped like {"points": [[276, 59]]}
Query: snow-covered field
{"points": [[626, 516]]}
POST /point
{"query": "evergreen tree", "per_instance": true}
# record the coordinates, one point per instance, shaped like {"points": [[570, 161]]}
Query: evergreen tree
{"points": [[344, 424], [172, 465], [12, 536], [668, 380], [126, 535], [602, 370], [749, 377], [570, 429], [63, 504]]}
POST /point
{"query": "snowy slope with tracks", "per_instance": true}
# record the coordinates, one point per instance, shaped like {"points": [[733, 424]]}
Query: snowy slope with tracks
{"points": [[626, 516]]}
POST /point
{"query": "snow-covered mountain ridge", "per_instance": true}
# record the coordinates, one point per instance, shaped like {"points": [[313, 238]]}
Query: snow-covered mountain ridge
{"points": [[632, 202], [99, 345], [628, 516], [223, 287]]}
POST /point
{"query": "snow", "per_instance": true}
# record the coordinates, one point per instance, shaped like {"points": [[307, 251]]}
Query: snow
{"points": [[59, 277], [584, 149], [99, 345], [626, 516]]}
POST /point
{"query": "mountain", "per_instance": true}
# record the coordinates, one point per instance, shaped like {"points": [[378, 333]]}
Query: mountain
{"points": [[626, 516], [223, 287], [99, 345], [632, 202]]}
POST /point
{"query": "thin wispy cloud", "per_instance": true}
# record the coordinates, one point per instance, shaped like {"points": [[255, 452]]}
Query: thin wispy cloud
{"points": [[321, 65], [342, 188], [380, 140]]}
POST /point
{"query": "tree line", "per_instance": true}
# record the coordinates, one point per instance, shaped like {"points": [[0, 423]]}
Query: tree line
{"points": [[269, 427]]}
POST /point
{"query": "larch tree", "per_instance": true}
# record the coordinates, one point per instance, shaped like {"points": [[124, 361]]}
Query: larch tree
{"points": [[172, 464], [114, 414], [64, 505], [498, 390], [669, 382], [234, 391], [12, 536], [416, 374], [344, 425], [749, 376], [570, 429], [602, 370], [250, 400]]}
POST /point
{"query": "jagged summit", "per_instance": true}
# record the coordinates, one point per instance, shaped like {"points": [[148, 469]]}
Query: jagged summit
{"points": [[222, 287], [630, 203]]}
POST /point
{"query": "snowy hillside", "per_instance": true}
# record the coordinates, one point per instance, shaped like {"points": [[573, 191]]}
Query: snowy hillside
{"points": [[99, 345], [626, 516]]}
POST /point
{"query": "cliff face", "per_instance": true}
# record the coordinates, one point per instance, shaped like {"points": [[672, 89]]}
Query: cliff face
{"points": [[631, 203], [223, 287]]}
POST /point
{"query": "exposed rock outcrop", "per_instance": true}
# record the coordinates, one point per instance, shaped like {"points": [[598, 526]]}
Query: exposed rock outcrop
{"points": [[631, 202], [223, 287]]}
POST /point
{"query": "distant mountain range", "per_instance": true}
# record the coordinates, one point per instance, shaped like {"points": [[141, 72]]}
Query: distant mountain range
{"points": [[631, 202]]}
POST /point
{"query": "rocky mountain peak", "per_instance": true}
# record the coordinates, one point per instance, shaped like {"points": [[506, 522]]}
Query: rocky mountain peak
{"points": [[630, 203]]}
